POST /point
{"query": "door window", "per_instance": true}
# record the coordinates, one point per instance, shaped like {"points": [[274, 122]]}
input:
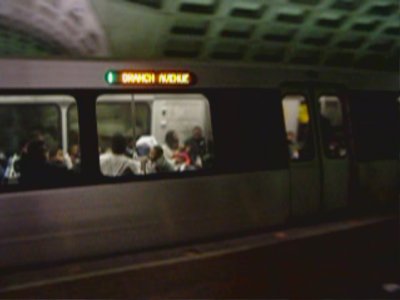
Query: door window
{"points": [[298, 128], [332, 127]]}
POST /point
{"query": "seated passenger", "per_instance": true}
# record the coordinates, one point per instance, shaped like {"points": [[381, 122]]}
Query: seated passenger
{"points": [[171, 145], [74, 155], [115, 163], [156, 162], [12, 172], [37, 171], [56, 157], [3, 165], [130, 146], [198, 146], [182, 159]]}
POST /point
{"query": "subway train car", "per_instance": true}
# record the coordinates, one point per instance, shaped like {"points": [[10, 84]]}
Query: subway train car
{"points": [[282, 146], [140, 136]]}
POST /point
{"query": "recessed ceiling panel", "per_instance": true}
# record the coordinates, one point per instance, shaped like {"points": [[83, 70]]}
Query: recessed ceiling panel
{"points": [[341, 33]]}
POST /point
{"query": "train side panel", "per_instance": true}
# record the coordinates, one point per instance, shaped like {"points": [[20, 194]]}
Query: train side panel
{"points": [[77, 223]]}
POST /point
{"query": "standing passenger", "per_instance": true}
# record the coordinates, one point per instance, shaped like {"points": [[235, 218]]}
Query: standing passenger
{"points": [[115, 163], [144, 144]]}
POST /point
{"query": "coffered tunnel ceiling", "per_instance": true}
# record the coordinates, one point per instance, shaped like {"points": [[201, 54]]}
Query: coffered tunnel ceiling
{"points": [[357, 34]]}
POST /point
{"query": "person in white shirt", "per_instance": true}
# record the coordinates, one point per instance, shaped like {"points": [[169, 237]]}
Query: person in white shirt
{"points": [[171, 145], [115, 163], [144, 144]]}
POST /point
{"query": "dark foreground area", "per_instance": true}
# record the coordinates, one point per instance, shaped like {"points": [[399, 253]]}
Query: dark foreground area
{"points": [[353, 262]]}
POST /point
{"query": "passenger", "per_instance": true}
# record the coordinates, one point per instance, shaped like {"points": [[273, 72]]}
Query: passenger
{"points": [[3, 165], [156, 162], [292, 145], [75, 156], [115, 163], [198, 147], [37, 171], [12, 172], [182, 159], [304, 141], [56, 157], [171, 145], [144, 144], [130, 148]]}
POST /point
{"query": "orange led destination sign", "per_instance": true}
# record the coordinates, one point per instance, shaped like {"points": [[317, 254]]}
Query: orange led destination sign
{"points": [[155, 78]]}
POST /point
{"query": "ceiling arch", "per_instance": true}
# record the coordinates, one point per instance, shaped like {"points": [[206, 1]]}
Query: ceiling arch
{"points": [[351, 34]]}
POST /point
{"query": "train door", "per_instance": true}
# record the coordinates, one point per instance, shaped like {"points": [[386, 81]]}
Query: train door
{"points": [[333, 147], [375, 124], [304, 163]]}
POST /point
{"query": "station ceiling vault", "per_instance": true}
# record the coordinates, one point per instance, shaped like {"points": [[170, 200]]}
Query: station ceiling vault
{"points": [[355, 34]]}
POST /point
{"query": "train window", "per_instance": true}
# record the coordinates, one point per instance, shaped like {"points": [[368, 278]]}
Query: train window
{"points": [[172, 133], [33, 141], [298, 128], [332, 127]]}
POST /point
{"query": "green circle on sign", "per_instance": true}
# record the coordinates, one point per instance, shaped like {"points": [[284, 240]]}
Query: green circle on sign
{"points": [[111, 77]]}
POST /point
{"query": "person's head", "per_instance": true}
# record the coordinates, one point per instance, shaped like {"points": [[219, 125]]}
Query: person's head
{"points": [[37, 151], [197, 133], [74, 150], [155, 153], [118, 144], [172, 140], [56, 154], [130, 143], [144, 144], [143, 150], [3, 159], [37, 135], [290, 136]]}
